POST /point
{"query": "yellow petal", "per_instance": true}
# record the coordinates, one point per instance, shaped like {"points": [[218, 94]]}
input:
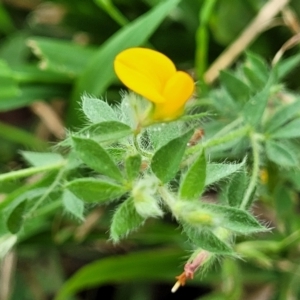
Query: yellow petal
{"points": [[144, 71], [177, 92]]}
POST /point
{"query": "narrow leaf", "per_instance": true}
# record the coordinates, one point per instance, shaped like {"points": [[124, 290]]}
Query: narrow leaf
{"points": [[193, 182], [146, 265], [97, 110], [95, 157], [166, 160], [125, 220], [95, 190]]}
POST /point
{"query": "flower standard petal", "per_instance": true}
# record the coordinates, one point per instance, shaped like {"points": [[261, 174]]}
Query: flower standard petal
{"points": [[176, 93], [144, 71]]}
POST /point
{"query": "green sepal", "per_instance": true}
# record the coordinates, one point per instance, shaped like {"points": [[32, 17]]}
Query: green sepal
{"points": [[166, 160], [207, 240]]}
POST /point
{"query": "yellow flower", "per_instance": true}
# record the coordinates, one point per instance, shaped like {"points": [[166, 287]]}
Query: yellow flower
{"points": [[153, 75]]}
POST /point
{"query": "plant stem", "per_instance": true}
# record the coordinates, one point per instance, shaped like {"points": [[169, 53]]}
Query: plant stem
{"points": [[238, 133], [13, 175], [46, 194], [255, 170]]}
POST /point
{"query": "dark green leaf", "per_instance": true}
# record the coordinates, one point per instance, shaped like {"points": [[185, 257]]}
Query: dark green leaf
{"points": [[8, 85], [73, 205], [95, 190], [95, 157], [157, 265], [97, 110], [281, 154], [125, 220], [166, 160], [215, 172], [282, 115], [237, 89], [258, 66], [193, 182], [15, 219], [133, 166]]}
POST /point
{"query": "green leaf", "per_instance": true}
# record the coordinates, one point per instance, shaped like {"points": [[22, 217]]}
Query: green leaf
{"points": [[73, 205], [8, 85], [61, 56], [282, 115], [237, 188], [95, 157], [235, 219], [157, 265], [215, 172], [281, 154], [38, 159], [95, 190], [254, 108], [97, 110], [238, 90], [30, 93], [133, 166], [259, 67], [288, 131], [125, 220], [193, 182], [207, 240], [106, 131], [99, 73], [287, 65], [15, 219], [166, 160]]}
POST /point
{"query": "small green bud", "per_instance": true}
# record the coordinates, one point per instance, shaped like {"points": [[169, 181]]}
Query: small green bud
{"points": [[144, 198]]}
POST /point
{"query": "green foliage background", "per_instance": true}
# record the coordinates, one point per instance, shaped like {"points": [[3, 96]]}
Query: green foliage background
{"points": [[57, 51]]}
